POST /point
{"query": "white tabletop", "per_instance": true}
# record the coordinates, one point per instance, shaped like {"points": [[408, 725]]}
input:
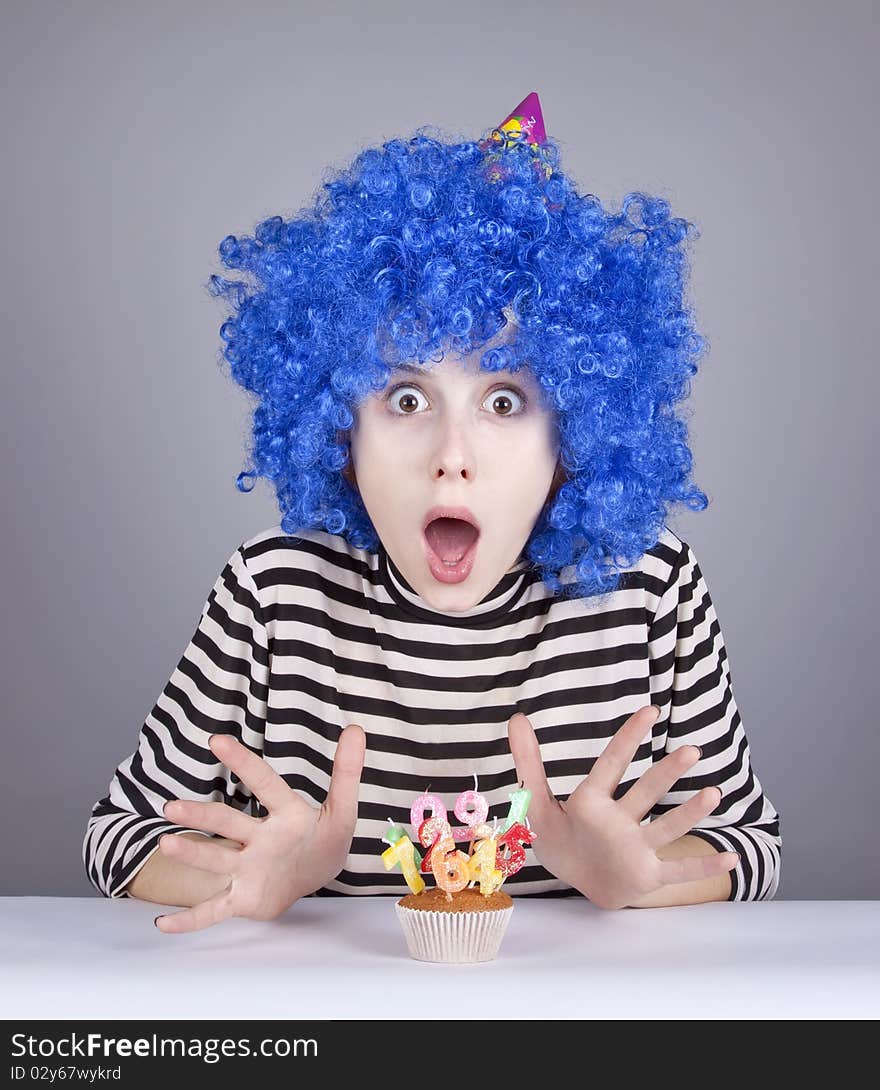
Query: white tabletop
{"points": [[70, 957]]}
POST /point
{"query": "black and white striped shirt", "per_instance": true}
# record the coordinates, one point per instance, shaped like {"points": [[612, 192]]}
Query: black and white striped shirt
{"points": [[302, 635]]}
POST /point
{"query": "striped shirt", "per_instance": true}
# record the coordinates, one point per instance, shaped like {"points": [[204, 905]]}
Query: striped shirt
{"points": [[302, 635]]}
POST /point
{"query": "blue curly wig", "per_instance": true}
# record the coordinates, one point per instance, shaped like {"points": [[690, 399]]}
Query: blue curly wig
{"points": [[411, 251]]}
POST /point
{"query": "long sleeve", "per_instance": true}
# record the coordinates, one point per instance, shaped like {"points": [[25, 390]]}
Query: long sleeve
{"points": [[691, 682], [220, 686]]}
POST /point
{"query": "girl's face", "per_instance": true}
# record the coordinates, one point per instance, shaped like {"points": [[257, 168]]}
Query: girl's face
{"points": [[473, 444]]}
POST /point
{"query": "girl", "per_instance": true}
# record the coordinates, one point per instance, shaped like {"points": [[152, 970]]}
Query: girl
{"points": [[465, 377]]}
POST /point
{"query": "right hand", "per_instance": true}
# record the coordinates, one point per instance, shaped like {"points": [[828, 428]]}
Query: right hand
{"points": [[596, 843], [296, 849]]}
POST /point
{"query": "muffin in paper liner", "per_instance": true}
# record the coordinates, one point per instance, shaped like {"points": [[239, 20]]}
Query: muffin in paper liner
{"points": [[467, 929]]}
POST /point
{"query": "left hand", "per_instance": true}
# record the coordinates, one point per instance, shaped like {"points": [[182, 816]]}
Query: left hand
{"points": [[291, 852], [596, 843]]}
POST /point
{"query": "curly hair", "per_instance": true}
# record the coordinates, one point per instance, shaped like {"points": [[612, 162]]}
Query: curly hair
{"points": [[413, 250]]}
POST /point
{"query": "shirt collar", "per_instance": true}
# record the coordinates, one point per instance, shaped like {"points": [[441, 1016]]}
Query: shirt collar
{"points": [[498, 602]]}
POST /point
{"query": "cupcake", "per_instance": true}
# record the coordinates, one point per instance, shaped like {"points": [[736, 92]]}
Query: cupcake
{"points": [[464, 917], [467, 928]]}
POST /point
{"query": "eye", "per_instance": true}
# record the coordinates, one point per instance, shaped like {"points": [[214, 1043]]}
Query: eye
{"points": [[407, 396], [502, 401], [502, 404]]}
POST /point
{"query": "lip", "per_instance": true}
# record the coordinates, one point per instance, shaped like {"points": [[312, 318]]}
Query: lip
{"points": [[450, 513], [457, 573]]}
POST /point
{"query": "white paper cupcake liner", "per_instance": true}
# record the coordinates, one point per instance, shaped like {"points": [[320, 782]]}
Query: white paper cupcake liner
{"points": [[453, 936]]}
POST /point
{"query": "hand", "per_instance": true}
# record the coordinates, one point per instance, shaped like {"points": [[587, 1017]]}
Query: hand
{"points": [[594, 842], [286, 855]]}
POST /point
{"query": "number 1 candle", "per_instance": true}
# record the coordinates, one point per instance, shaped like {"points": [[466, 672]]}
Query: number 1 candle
{"points": [[402, 852], [519, 803]]}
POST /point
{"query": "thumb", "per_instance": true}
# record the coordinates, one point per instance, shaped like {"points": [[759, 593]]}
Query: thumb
{"points": [[527, 758], [341, 803]]}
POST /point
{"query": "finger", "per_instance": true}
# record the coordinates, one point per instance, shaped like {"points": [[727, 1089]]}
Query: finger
{"points": [[612, 762], [681, 819], [214, 910], [527, 758], [213, 817], [341, 803], [208, 855], [647, 791], [269, 788], [693, 868]]}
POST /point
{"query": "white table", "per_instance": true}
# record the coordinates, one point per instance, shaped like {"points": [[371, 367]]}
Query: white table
{"points": [[71, 957]]}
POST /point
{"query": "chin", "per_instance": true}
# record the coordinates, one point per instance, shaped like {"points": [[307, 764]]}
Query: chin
{"points": [[456, 603]]}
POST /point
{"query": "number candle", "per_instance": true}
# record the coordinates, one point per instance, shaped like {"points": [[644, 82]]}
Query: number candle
{"points": [[472, 809], [511, 855], [394, 833], [483, 867], [519, 803], [430, 832], [402, 852], [451, 868], [417, 813]]}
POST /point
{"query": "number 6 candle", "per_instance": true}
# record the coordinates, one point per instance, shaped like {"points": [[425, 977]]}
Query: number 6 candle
{"points": [[451, 868]]}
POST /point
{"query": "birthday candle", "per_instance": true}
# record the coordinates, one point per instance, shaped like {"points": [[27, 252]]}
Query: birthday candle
{"points": [[511, 855], [402, 852], [393, 833], [451, 868], [519, 803], [472, 809], [417, 813], [483, 868], [430, 831]]}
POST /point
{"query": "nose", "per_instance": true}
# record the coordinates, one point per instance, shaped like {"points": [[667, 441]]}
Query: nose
{"points": [[453, 456]]}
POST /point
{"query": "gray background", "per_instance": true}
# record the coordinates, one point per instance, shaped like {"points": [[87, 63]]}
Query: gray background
{"points": [[135, 137]]}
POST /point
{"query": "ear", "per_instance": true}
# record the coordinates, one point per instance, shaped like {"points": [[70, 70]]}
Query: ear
{"points": [[348, 474], [559, 479]]}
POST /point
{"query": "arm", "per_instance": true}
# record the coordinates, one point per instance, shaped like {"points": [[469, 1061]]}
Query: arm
{"points": [[169, 882], [691, 681], [220, 686], [687, 893]]}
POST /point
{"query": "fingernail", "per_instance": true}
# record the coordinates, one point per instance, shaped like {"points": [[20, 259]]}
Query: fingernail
{"points": [[657, 710], [700, 748], [155, 924]]}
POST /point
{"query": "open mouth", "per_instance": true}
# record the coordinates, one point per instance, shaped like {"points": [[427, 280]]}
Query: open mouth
{"points": [[451, 548]]}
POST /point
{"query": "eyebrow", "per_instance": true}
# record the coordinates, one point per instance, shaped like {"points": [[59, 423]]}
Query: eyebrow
{"points": [[410, 369], [413, 369]]}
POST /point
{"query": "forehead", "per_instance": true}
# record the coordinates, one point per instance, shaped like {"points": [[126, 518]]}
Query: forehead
{"points": [[462, 367]]}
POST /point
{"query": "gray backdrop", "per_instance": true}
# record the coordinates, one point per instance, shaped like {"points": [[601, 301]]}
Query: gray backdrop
{"points": [[135, 137]]}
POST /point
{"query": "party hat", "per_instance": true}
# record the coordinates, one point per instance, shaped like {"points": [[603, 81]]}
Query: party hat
{"points": [[523, 125]]}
